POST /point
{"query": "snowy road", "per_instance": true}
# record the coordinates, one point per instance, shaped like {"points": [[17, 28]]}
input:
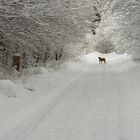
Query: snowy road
{"points": [[102, 103]]}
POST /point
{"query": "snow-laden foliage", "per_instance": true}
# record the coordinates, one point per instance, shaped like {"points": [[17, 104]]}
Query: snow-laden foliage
{"points": [[41, 30], [49, 30], [121, 25], [104, 46]]}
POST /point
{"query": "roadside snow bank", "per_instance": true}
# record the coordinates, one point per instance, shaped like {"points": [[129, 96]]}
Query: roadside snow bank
{"points": [[37, 93], [8, 88]]}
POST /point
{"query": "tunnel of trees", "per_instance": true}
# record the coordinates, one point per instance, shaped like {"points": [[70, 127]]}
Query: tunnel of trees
{"points": [[42, 31]]}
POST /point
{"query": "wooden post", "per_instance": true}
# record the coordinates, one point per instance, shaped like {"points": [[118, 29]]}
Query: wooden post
{"points": [[16, 62]]}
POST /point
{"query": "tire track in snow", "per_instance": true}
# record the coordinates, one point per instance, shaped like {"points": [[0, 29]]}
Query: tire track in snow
{"points": [[93, 108], [27, 125]]}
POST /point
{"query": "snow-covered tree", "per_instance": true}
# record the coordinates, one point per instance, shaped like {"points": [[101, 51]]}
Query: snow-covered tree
{"points": [[120, 23], [48, 30], [39, 30]]}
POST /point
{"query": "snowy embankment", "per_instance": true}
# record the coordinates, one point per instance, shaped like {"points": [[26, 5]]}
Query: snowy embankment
{"points": [[24, 98], [25, 102], [112, 58], [115, 62]]}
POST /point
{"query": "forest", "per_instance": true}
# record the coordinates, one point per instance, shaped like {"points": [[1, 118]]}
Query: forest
{"points": [[43, 32], [69, 69]]}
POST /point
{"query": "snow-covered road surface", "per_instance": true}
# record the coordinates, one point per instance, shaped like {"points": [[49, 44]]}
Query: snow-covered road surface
{"points": [[97, 102]]}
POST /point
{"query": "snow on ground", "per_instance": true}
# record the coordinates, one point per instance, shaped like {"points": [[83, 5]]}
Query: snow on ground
{"points": [[115, 62], [22, 98], [112, 58], [8, 88], [81, 101]]}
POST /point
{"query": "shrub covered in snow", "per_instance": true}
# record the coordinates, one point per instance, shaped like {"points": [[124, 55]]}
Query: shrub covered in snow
{"points": [[104, 46]]}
